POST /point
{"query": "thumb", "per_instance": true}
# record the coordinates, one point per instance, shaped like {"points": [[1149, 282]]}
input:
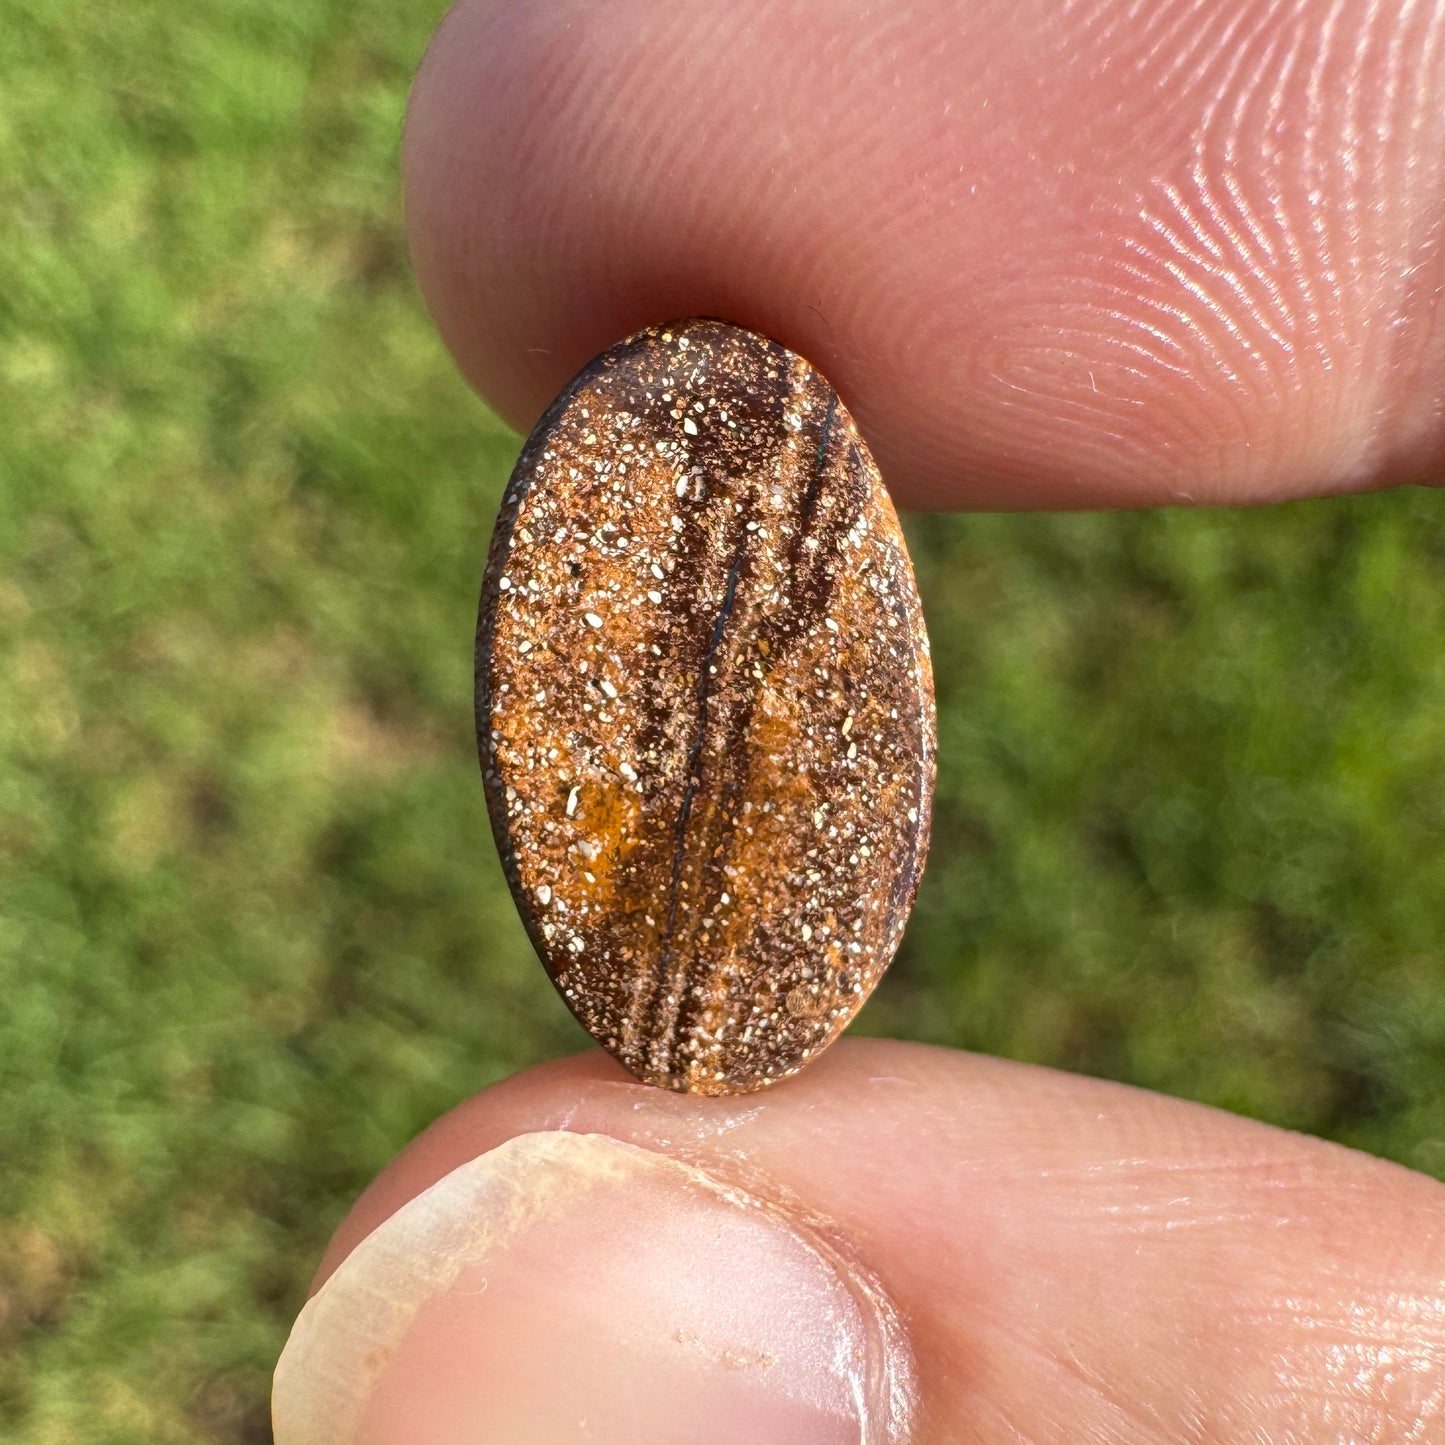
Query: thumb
{"points": [[572, 1286], [900, 1243]]}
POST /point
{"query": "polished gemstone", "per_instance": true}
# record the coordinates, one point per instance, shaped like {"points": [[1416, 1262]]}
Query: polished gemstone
{"points": [[704, 707]]}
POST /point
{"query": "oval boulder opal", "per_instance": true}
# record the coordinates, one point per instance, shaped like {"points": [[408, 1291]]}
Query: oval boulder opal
{"points": [[705, 708]]}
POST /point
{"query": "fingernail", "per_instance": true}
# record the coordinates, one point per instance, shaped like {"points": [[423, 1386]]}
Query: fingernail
{"points": [[569, 1286]]}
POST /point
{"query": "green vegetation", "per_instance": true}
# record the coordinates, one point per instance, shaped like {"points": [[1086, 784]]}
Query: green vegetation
{"points": [[252, 932]]}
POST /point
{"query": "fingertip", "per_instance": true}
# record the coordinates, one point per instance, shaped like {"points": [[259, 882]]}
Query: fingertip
{"points": [[1033, 285], [571, 177], [538, 1099], [1064, 1254], [564, 1282]]}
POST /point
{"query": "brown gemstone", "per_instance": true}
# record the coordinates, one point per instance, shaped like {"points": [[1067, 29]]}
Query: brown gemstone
{"points": [[704, 707]]}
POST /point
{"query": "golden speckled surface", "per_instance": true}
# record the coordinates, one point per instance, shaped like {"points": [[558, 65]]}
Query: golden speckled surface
{"points": [[704, 707]]}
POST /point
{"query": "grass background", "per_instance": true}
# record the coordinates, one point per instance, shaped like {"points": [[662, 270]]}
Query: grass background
{"points": [[253, 935]]}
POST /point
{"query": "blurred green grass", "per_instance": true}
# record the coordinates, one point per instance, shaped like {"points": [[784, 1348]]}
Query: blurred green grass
{"points": [[252, 932]]}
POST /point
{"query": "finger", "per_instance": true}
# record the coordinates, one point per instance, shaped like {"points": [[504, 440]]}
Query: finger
{"points": [[968, 1249], [1072, 254]]}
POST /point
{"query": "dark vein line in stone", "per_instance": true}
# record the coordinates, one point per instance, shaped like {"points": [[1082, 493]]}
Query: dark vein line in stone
{"points": [[810, 500], [688, 1008], [684, 812]]}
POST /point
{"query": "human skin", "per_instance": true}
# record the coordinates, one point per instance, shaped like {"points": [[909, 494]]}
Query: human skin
{"points": [[1052, 253]]}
